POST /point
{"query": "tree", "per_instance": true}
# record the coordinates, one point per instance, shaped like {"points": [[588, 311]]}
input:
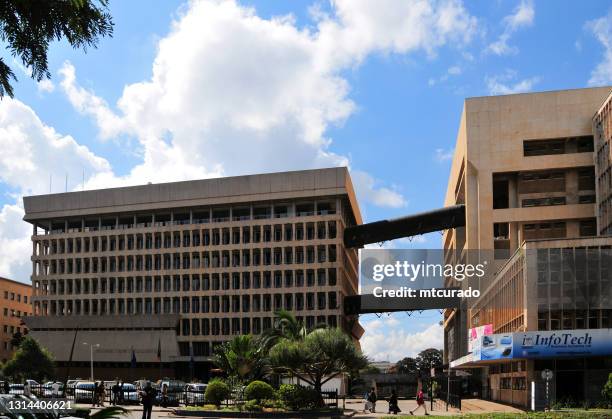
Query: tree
{"points": [[321, 356], [30, 361], [286, 326], [243, 357], [16, 339], [28, 26], [407, 365], [427, 359], [370, 369]]}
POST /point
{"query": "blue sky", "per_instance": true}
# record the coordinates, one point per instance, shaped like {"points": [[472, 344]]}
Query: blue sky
{"points": [[212, 88]]}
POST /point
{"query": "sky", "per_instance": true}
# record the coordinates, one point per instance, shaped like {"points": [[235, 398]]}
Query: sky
{"points": [[217, 88]]}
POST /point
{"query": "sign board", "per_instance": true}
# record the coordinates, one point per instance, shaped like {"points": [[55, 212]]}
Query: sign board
{"points": [[543, 344], [475, 335]]}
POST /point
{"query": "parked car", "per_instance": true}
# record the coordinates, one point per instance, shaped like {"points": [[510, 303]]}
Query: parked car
{"points": [[175, 389], [70, 385], [194, 393], [130, 393], [83, 391], [48, 391], [16, 389]]}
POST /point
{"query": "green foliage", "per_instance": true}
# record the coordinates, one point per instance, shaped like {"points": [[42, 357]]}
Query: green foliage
{"points": [[606, 392], [110, 412], [407, 365], [30, 361], [216, 392], [258, 390], [370, 369], [286, 326], [243, 357], [321, 356], [297, 397], [428, 358], [27, 27], [252, 406]]}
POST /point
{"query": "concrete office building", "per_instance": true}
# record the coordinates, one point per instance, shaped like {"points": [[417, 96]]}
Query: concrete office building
{"points": [[15, 305], [184, 266], [535, 181]]}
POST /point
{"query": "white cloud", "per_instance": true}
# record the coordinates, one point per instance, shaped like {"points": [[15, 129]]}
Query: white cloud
{"points": [[45, 85], [230, 93], [31, 153], [522, 16], [367, 189], [385, 339], [443, 155], [506, 83], [452, 71], [602, 29], [225, 79]]}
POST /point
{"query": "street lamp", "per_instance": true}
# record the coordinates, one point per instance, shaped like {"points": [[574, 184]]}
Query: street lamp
{"points": [[91, 349]]}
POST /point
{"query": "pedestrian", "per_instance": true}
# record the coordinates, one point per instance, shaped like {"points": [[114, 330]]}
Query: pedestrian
{"points": [[147, 397], [94, 395], [7, 388], [120, 392], [164, 395], [367, 405], [101, 394], [420, 399], [27, 390], [393, 406], [372, 399], [115, 393]]}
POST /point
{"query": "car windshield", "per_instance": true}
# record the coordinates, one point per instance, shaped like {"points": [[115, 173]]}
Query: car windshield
{"points": [[200, 387], [129, 387], [85, 386]]}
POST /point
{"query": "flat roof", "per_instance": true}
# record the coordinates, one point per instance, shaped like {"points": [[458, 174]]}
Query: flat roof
{"points": [[13, 281], [204, 192]]}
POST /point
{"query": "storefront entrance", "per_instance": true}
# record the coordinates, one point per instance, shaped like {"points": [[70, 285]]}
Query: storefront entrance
{"points": [[570, 386]]}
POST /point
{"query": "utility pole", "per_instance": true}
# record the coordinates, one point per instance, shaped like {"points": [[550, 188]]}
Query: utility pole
{"points": [[91, 349]]}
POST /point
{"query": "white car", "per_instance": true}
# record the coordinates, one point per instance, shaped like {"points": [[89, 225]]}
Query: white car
{"points": [[52, 389], [130, 394], [16, 389], [194, 393], [84, 391]]}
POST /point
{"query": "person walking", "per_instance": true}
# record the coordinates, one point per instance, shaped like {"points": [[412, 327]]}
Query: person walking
{"points": [[366, 405], [372, 398], [147, 397], [393, 406], [101, 394], [420, 399], [121, 401], [115, 393]]}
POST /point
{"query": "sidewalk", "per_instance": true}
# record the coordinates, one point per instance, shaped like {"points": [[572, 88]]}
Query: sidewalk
{"points": [[467, 406]]}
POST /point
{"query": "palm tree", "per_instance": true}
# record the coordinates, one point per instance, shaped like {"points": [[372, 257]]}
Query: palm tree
{"points": [[243, 358], [286, 326]]}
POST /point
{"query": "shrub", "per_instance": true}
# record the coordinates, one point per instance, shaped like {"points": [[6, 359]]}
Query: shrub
{"points": [[606, 392], [297, 397], [252, 406], [258, 390], [216, 392]]}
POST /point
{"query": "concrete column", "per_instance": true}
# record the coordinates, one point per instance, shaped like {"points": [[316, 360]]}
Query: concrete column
{"points": [[512, 193]]}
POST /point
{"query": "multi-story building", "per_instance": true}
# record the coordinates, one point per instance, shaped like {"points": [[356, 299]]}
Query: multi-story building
{"points": [[534, 181], [175, 269], [15, 305]]}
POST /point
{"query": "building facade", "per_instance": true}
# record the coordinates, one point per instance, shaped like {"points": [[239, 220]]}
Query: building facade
{"points": [[164, 273], [528, 168], [15, 305]]}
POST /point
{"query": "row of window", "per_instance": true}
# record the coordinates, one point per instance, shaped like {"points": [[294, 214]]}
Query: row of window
{"points": [[10, 312], [12, 329], [236, 326], [13, 296], [193, 260], [196, 282], [192, 216], [191, 238], [192, 305]]}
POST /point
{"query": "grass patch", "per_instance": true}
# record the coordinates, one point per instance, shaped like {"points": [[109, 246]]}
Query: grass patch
{"points": [[564, 414]]}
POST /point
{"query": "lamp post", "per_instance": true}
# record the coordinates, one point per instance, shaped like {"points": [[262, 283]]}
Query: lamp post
{"points": [[91, 349]]}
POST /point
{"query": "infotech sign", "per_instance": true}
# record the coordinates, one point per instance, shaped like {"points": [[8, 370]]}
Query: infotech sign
{"points": [[544, 344], [579, 342]]}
